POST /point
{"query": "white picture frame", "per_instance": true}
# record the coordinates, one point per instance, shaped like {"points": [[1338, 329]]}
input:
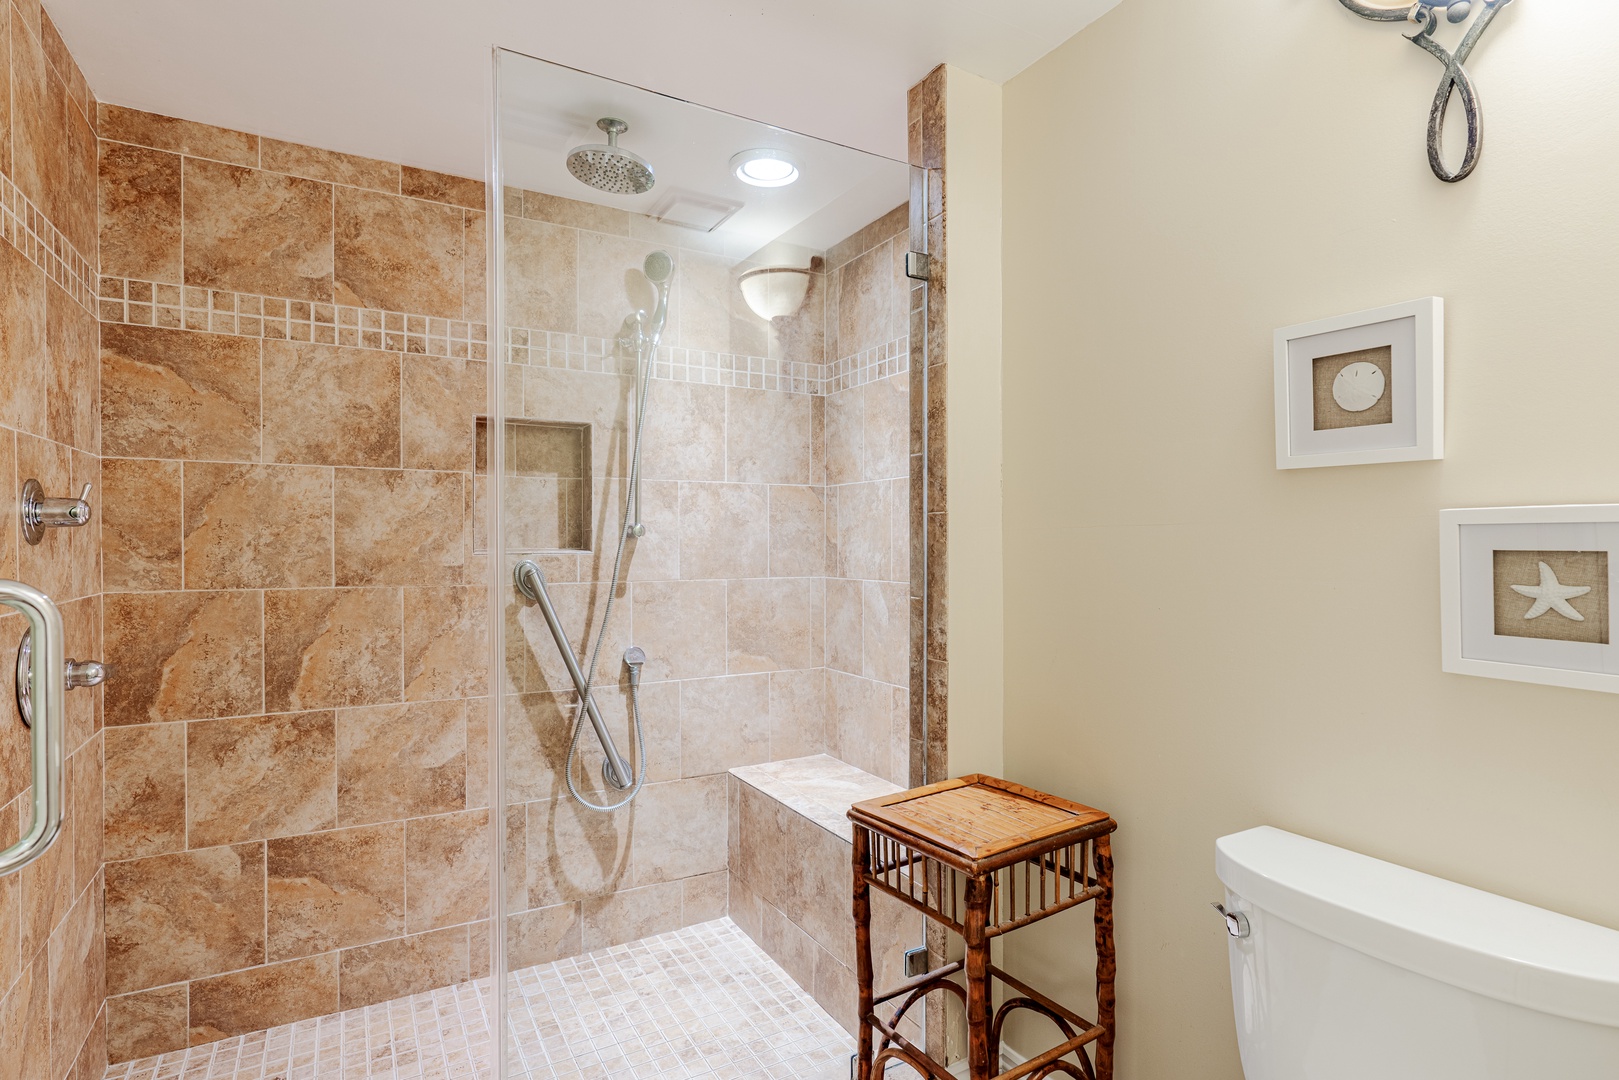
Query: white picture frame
{"points": [[1410, 339], [1471, 541]]}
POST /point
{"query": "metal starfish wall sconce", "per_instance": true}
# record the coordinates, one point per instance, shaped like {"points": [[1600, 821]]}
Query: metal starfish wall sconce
{"points": [[1425, 14]]}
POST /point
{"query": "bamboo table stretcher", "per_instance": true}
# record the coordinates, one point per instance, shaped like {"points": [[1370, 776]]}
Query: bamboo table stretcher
{"points": [[983, 857]]}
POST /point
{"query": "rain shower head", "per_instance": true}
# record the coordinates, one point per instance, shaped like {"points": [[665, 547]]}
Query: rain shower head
{"points": [[608, 167]]}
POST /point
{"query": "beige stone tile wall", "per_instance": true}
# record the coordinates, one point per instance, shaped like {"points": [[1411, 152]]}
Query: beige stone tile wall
{"points": [[868, 419], [292, 364], [729, 590], [52, 971]]}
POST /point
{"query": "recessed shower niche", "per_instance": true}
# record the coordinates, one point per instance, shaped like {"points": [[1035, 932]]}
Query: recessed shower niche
{"points": [[547, 484]]}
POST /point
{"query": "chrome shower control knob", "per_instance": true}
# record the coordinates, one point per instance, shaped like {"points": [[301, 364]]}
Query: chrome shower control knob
{"points": [[76, 673], [40, 513], [86, 673]]}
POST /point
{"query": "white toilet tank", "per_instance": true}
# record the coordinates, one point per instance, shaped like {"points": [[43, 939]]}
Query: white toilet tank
{"points": [[1354, 968]]}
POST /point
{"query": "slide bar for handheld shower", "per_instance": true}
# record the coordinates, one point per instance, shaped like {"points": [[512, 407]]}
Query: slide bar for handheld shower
{"points": [[531, 583]]}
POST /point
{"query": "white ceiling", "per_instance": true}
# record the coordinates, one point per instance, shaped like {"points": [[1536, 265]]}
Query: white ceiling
{"points": [[547, 110], [405, 80]]}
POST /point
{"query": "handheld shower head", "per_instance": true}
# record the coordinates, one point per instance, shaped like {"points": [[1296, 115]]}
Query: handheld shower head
{"points": [[610, 167], [659, 267]]}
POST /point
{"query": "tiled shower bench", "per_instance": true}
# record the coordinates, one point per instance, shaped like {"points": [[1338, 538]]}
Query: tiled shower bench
{"points": [[791, 851]]}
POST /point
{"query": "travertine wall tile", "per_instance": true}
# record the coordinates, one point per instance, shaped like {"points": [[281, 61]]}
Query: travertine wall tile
{"points": [[77, 974], [681, 624], [296, 159], [720, 533], [399, 527], [329, 405], [331, 647], [573, 853], [72, 392], [179, 136], [262, 997], [724, 722], [397, 253], [402, 966], [446, 870], [442, 187], [183, 655], [139, 193], [247, 230], [147, 1022], [680, 830], [440, 398], [542, 935], [184, 916], [332, 890], [22, 342], [631, 914], [248, 778], [145, 790], [173, 394], [446, 644], [257, 526], [399, 761], [546, 259], [774, 624]]}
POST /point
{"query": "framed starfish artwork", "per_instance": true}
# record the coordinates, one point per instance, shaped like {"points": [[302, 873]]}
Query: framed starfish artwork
{"points": [[1361, 389], [1527, 593]]}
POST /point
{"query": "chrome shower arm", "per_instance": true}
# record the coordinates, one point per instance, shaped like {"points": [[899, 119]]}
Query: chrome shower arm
{"points": [[531, 583]]}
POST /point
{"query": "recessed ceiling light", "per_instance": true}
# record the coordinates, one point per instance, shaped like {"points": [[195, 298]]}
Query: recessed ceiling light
{"points": [[765, 168]]}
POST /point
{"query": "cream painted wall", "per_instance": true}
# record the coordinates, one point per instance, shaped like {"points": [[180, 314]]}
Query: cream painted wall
{"points": [[973, 433], [1200, 643]]}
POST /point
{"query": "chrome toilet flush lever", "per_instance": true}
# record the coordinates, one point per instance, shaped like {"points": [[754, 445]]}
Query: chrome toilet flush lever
{"points": [[77, 673], [1236, 923], [40, 513]]}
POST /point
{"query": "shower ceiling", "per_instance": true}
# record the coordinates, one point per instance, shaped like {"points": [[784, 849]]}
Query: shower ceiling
{"points": [[547, 110], [404, 80]]}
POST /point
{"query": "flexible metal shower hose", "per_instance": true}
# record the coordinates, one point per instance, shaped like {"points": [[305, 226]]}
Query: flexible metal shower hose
{"points": [[607, 616]]}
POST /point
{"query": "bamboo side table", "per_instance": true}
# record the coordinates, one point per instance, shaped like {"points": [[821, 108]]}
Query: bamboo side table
{"points": [[983, 857]]}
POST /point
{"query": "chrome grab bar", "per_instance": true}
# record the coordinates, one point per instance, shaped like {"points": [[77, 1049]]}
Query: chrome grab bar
{"points": [[48, 678], [531, 583]]}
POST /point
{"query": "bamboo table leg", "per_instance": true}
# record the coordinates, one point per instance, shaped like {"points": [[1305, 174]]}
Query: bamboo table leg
{"points": [[862, 950], [979, 1067], [1106, 959]]}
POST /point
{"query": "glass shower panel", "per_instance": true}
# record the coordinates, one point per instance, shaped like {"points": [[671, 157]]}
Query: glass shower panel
{"points": [[696, 489]]}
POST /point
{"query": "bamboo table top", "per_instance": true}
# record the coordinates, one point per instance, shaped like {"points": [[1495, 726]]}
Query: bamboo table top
{"points": [[979, 823]]}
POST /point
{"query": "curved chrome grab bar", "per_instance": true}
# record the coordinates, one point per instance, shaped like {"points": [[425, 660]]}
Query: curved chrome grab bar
{"points": [[48, 674]]}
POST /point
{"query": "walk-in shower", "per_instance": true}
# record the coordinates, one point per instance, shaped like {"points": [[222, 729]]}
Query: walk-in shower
{"points": [[700, 464]]}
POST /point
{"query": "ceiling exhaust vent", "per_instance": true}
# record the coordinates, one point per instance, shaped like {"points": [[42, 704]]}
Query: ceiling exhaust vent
{"points": [[689, 210]]}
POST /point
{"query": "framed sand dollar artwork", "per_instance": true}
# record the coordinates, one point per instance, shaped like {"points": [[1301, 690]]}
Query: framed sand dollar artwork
{"points": [[1363, 388], [1527, 593]]}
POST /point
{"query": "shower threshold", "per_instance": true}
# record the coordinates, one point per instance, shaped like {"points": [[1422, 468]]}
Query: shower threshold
{"points": [[703, 1002]]}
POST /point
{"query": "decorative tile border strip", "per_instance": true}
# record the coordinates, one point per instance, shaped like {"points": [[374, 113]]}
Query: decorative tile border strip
{"points": [[879, 362], [150, 303], [27, 229], [580, 352]]}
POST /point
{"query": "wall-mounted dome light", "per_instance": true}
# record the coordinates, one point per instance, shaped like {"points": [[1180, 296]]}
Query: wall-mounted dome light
{"points": [[775, 291], [765, 168]]}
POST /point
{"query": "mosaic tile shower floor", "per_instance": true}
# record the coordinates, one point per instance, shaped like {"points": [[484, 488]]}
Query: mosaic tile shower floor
{"points": [[704, 1002]]}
